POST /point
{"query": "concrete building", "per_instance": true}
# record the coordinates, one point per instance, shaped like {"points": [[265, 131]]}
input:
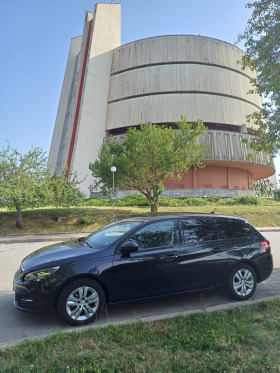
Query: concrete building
{"points": [[108, 88]]}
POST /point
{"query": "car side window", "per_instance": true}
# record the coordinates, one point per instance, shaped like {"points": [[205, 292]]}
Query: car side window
{"points": [[157, 234], [198, 230], [234, 229]]}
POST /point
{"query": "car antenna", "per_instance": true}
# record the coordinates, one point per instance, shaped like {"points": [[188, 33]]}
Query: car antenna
{"points": [[213, 212]]}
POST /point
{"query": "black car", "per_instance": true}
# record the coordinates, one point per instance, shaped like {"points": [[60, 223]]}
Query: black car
{"points": [[143, 257]]}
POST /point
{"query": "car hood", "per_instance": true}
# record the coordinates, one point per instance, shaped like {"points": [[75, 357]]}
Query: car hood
{"points": [[54, 254]]}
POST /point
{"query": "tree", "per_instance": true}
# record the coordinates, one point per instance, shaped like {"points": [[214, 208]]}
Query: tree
{"points": [[147, 157], [26, 183], [262, 44], [266, 188], [63, 189]]}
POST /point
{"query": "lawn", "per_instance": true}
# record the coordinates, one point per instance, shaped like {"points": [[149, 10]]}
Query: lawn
{"points": [[87, 219], [245, 339]]}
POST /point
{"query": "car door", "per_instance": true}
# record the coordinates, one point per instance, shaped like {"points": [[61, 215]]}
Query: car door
{"points": [[203, 254], [152, 269]]}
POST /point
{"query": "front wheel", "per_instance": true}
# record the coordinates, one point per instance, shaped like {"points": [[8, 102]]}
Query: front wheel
{"points": [[80, 302], [242, 282]]}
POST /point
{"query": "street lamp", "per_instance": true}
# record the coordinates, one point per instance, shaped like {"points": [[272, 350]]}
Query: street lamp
{"points": [[256, 199], [113, 170], [205, 199]]}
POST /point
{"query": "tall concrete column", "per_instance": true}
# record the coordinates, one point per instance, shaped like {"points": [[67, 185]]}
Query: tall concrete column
{"points": [[79, 133]]}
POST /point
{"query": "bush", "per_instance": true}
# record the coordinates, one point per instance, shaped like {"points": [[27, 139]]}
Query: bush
{"points": [[276, 195], [86, 220], [97, 202], [192, 202], [213, 199], [242, 200], [139, 200], [132, 200], [129, 200]]}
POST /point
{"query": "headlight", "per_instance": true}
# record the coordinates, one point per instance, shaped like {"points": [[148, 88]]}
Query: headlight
{"points": [[40, 275]]}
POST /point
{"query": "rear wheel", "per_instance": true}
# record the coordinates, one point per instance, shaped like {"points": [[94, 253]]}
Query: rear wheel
{"points": [[80, 302], [242, 282]]}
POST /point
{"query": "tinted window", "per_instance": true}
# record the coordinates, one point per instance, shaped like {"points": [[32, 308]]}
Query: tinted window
{"points": [[234, 229], [198, 230], [109, 234], [155, 235]]}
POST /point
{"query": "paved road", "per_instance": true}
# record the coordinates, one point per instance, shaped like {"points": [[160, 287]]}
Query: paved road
{"points": [[16, 326]]}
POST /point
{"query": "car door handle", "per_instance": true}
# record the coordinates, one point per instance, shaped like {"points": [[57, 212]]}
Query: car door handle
{"points": [[170, 257]]}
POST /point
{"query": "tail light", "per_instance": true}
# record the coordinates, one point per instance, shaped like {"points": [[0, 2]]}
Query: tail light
{"points": [[265, 246]]}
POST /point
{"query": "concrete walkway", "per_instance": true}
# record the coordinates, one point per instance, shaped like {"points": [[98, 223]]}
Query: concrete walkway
{"points": [[74, 236]]}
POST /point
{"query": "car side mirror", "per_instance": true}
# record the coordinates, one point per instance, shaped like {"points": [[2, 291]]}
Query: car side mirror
{"points": [[129, 247]]}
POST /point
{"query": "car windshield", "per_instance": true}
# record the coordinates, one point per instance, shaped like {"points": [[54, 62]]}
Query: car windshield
{"points": [[109, 234]]}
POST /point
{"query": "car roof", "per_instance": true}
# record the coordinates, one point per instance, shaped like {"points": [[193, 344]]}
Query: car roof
{"points": [[144, 218]]}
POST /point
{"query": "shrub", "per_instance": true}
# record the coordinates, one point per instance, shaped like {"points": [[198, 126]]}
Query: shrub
{"points": [[86, 220], [129, 200], [242, 200], [139, 200], [132, 200], [97, 202], [276, 195]]}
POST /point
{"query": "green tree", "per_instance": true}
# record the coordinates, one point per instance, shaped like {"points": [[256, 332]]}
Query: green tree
{"points": [[63, 189], [148, 157], [266, 188], [262, 44], [25, 182]]}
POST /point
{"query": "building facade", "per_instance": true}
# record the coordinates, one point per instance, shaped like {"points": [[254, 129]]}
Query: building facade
{"points": [[108, 88]]}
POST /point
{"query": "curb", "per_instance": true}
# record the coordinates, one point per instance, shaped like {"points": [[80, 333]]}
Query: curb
{"points": [[42, 238], [269, 229]]}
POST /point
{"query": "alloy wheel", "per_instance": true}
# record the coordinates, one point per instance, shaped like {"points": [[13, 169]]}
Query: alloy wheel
{"points": [[243, 282], [82, 303]]}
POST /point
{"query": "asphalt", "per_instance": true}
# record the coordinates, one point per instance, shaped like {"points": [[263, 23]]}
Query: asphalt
{"points": [[74, 236], [16, 327]]}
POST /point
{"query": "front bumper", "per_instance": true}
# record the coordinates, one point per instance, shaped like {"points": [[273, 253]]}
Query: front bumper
{"points": [[34, 297]]}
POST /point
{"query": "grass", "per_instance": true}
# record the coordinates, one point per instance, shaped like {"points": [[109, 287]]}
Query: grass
{"points": [[59, 220], [246, 339], [88, 219]]}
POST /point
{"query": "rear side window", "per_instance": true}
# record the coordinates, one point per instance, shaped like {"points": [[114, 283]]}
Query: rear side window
{"points": [[234, 229], [198, 230]]}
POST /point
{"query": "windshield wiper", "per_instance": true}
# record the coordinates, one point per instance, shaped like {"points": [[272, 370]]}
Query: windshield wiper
{"points": [[82, 241], [87, 244]]}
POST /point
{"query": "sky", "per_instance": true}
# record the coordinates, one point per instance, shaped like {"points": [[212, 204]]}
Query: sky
{"points": [[35, 38]]}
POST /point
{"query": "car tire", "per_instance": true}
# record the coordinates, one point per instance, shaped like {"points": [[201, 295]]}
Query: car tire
{"points": [[242, 282], [80, 302]]}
